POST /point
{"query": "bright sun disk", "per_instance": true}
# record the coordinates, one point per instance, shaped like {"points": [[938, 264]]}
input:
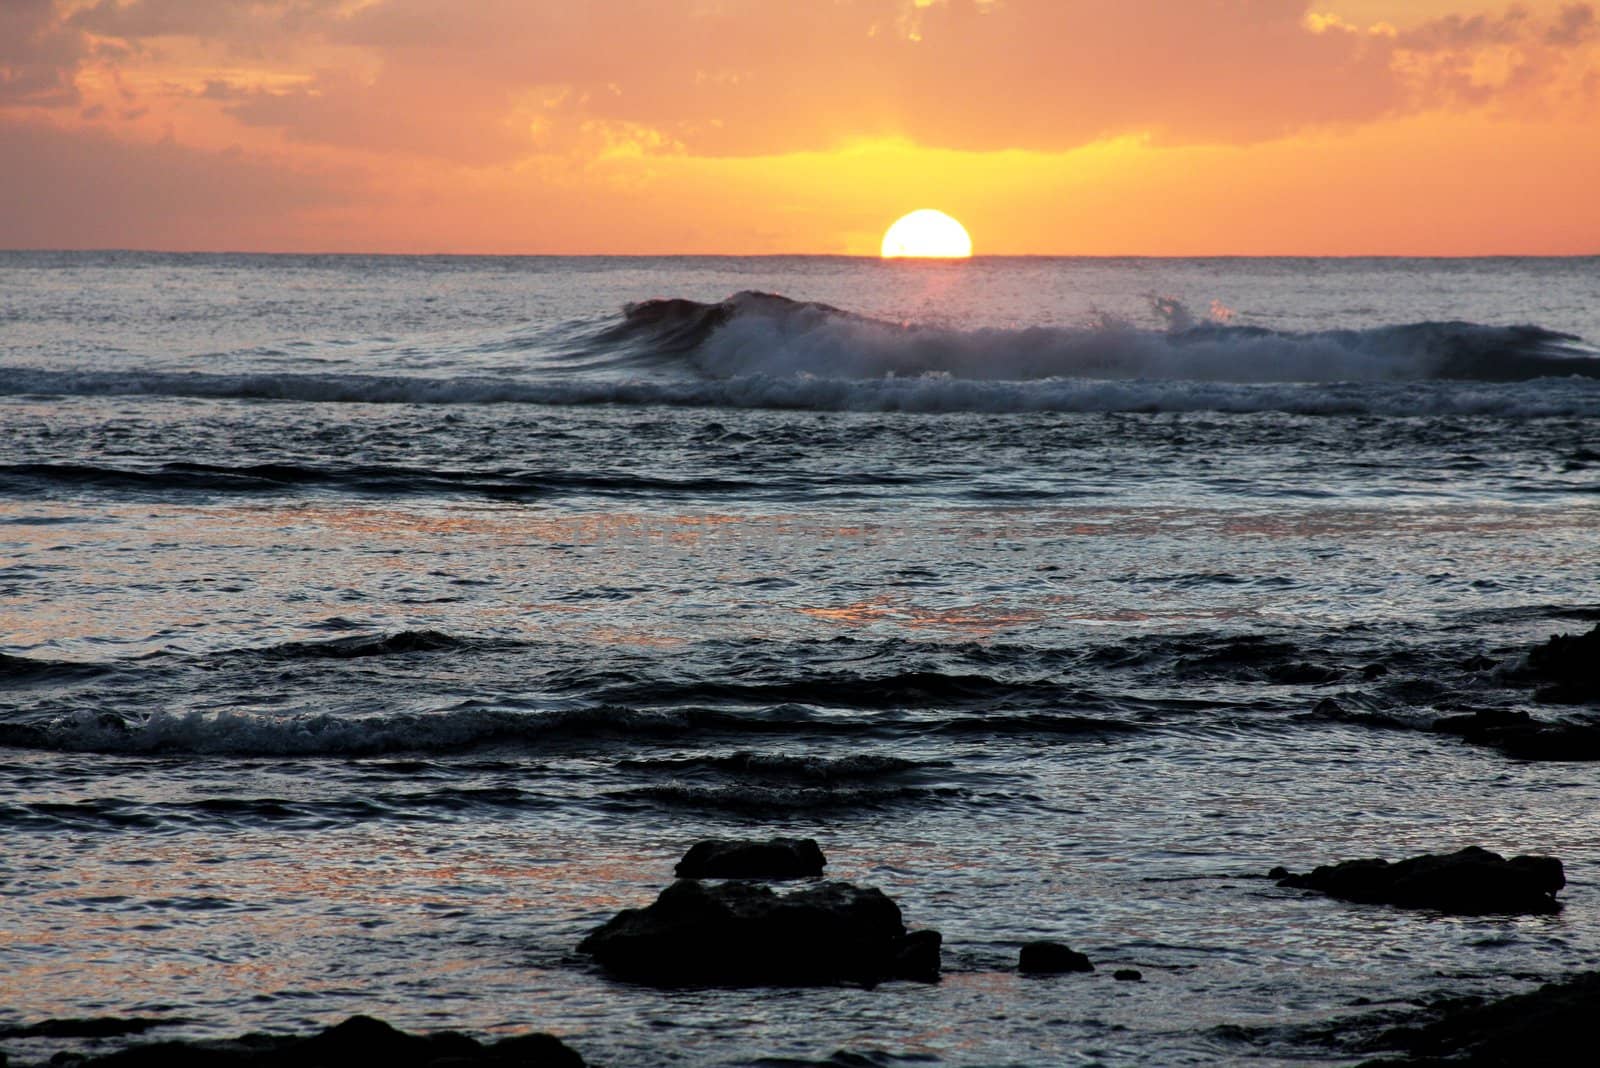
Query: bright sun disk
{"points": [[927, 234]]}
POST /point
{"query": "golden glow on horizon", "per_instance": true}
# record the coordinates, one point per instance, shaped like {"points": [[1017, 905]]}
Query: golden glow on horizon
{"points": [[1057, 127], [927, 234]]}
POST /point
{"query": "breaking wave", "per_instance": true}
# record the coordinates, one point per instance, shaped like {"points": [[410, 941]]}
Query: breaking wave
{"points": [[760, 350], [765, 334]]}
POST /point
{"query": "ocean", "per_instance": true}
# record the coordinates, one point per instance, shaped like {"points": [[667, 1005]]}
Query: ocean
{"points": [[371, 628]]}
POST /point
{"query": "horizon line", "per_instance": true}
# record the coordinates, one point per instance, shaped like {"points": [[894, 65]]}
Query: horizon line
{"points": [[869, 257]]}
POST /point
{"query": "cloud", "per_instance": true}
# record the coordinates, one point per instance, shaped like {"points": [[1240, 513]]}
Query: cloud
{"points": [[494, 81], [746, 77], [1576, 25], [498, 82], [241, 23], [742, 77], [389, 115], [1487, 60], [84, 188], [38, 55], [1455, 32]]}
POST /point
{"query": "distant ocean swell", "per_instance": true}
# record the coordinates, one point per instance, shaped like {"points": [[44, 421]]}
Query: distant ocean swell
{"points": [[763, 351]]}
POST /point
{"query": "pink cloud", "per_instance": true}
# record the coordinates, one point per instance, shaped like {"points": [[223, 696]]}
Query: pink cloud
{"points": [[495, 80], [38, 55], [84, 188]]}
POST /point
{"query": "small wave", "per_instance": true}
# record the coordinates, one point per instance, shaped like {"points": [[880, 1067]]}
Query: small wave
{"points": [[241, 733], [778, 802], [782, 766], [406, 641], [1042, 725], [253, 734], [26, 670], [1250, 658], [432, 805], [908, 689], [256, 734], [358, 478], [807, 391]]}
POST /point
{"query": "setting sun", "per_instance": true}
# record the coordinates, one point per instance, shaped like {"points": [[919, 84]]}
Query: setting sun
{"points": [[927, 234]]}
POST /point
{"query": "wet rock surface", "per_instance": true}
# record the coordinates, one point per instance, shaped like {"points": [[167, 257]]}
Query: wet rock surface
{"points": [[1566, 669], [775, 858], [90, 1027], [1471, 881], [359, 1040], [1517, 734], [1549, 1026], [743, 933], [1051, 958]]}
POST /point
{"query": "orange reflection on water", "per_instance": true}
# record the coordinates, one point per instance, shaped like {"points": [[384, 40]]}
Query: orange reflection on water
{"points": [[636, 636], [979, 619]]}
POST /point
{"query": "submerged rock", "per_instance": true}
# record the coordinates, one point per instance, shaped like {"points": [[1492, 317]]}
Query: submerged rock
{"points": [[746, 934], [1517, 734], [776, 858], [359, 1040], [1471, 881], [1051, 958]]}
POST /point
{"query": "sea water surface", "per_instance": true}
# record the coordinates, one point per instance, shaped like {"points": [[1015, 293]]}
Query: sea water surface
{"points": [[373, 627]]}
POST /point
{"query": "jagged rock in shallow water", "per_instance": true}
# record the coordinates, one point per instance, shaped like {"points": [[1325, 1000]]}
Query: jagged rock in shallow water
{"points": [[918, 957], [1568, 666], [1471, 882], [359, 1040], [776, 858], [1553, 1025], [745, 934], [90, 1027], [1517, 734], [1051, 958]]}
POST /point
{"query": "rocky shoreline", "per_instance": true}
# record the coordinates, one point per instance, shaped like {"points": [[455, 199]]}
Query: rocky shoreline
{"points": [[720, 923], [1548, 1026], [358, 1040]]}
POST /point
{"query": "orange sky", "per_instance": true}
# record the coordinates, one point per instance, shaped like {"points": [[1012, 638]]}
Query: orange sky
{"points": [[1154, 127]]}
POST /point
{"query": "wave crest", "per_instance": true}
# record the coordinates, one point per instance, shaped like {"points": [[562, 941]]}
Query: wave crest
{"points": [[762, 350], [765, 334]]}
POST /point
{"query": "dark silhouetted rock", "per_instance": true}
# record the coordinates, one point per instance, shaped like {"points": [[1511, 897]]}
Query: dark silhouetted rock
{"points": [[776, 858], [359, 1040], [1484, 720], [1567, 667], [918, 956], [91, 1027], [743, 933], [1517, 734], [1128, 975], [1051, 958], [1553, 1025], [1472, 881]]}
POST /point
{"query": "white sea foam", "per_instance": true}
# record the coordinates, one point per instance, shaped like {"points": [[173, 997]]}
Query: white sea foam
{"points": [[768, 335], [764, 351]]}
